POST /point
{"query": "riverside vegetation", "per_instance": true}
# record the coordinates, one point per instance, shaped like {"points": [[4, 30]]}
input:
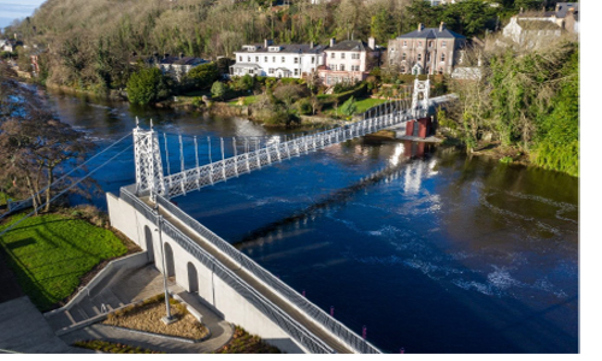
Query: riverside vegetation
{"points": [[527, 101]]}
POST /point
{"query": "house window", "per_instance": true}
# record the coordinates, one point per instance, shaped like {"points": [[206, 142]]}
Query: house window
{"points": [[420, 43], [430, 44], [240, 59], [313, 59], [283, 59], [331, 55], [443, 57], [273, 59], [257, 59], [403, 69], [248, 59], [265, 59], [355, 56], [419, 57], [271, 71], [403, 56], [296, 60], [405, 43], [334, 67], [342, 67], [296, 72], [250, 71], [342, 55], [443, 43]]}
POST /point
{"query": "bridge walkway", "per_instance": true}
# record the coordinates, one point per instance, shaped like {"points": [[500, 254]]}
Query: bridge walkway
{"points": [[310, 325]]}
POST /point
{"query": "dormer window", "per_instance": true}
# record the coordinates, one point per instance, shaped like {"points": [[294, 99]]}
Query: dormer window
{"points": [[274, 48], [249, 47], [443, 44]]}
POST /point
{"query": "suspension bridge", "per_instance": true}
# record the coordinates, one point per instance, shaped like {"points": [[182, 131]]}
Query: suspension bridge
{"points": [[209, 266]]}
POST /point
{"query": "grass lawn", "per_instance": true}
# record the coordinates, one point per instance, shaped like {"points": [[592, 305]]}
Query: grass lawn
{"points": [[50, 253], [365, 104], [246, 100], [3, 198]]}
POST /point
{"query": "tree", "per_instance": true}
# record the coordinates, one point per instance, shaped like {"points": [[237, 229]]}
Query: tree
{"points": [[349, 107], [34, 146], [203, 76], [147, 85], [218, 90]]}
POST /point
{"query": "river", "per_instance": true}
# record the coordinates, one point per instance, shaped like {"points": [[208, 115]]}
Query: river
{"points": [[432, 251]]}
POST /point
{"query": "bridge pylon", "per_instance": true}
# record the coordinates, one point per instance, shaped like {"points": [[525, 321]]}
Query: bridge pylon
{"points": [[149, 167], [420, 95]]}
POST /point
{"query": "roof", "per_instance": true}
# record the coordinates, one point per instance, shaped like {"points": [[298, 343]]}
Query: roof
{"points": [[563, 8], [285, 48], [538, 25], [350, 45], [537, 14], [187, 60], [432, 33]]}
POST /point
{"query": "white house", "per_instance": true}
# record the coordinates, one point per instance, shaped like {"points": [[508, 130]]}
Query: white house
{"points": [[531, 32], [349, 61], [178, 66], [280, 61], [6, 45]]}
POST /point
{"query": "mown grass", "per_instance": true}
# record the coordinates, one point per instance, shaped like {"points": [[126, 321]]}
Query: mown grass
{"points": [[243, 342], [246, 100], [365, 104], [112, 347], [50, 253]]}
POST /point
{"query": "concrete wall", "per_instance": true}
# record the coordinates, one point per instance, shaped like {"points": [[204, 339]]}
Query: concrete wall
{"points": [[217, 293]]}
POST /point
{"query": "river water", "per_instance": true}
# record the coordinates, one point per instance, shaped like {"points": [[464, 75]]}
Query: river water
{"points": [[432, 251]]}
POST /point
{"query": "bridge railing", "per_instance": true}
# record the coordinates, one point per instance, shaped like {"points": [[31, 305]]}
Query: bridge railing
{"points": [[281, 318], [196, 178], [285, 291]]}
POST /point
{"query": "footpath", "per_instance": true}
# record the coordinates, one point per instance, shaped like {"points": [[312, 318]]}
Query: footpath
{"points": [[23, 329]]}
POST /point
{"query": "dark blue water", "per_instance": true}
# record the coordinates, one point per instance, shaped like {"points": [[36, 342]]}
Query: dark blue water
{"points": [[432, 251]]}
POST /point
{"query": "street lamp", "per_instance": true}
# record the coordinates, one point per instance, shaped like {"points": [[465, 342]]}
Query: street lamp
{"points": [[168, 318]]}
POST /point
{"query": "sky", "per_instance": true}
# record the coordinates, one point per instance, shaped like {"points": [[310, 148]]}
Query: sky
{"points": [[16, 9]]}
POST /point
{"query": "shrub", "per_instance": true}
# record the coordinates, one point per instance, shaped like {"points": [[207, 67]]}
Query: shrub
{"points": [[202, 76], [148, 85], [219, 90]]}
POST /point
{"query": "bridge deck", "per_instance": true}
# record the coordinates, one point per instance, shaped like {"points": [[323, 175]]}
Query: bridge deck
{"points": [[303, 319]]}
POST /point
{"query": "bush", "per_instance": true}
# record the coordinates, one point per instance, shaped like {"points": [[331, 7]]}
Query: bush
{"points": [[148, 85], [304, 106], [202, 76], [219, 90], [349, 107]]}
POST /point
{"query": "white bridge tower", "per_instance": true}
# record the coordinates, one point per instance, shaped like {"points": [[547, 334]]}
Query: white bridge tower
{"points": [[420, 96], [149, 169]]}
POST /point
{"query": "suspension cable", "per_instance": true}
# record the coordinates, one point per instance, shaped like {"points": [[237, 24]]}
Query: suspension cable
{"points": [[64, 191]]}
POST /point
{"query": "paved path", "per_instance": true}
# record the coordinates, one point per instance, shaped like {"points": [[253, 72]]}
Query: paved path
{"points": [[132, 286], [23, 329], [221, 332]]}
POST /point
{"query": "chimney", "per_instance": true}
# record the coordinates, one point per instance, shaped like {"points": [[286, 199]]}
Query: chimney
{"points": [[441, 26], [371, 43], [420, 27], [332, 41], [265, 43], [311, 45]]}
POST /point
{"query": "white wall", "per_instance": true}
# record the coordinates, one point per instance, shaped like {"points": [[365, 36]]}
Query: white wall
{"points": [[304, 62], [234, 307]]}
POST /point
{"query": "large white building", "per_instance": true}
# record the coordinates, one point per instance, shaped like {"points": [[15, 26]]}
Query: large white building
{"points": [[280, 61]]}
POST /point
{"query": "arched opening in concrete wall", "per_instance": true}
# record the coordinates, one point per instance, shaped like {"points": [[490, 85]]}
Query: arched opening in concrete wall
{"points": [[193, 279], [169, 261], [149, 243]]}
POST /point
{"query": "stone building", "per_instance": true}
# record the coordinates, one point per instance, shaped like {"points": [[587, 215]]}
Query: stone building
{"points": [[426, 51]]}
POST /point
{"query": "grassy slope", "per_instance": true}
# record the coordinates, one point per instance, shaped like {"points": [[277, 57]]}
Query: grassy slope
{"points": [[50, 253]]}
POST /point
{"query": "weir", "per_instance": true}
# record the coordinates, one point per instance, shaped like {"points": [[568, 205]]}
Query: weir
{"points": [[237, 287]]}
